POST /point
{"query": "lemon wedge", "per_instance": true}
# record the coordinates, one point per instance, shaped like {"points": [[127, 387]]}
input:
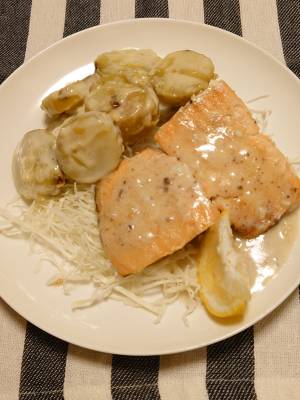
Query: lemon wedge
{"points": [[222, 272]]}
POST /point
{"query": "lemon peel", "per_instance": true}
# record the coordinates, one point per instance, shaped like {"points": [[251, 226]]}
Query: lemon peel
{"points": [[222, 272]]}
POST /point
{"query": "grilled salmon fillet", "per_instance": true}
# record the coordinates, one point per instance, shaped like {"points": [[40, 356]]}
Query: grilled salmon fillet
{"points": [[239, 168], [150, 207]]}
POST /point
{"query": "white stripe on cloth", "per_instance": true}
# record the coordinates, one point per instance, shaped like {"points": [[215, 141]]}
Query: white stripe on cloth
{"points": [[190, 10], [46, 25], [260, 25], [12, 335], [120, 10], [87, 375], [276, 349], [182, 376]]}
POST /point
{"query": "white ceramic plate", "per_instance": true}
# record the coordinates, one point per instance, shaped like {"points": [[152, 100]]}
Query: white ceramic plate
{"points": [[113, 327]]}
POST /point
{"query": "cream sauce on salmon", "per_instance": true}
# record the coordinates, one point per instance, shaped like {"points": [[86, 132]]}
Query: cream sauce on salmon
{"points": [[268, 252], [150, 207], [239, 168]]}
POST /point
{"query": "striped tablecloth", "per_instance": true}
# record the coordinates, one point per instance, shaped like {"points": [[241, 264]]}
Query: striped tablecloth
{"points": [[262, 362]]}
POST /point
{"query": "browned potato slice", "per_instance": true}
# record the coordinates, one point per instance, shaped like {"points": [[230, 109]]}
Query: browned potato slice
{"points": [[180, 75], [131, 107], [131, 65], [88, 146], [35, 169], [67, 99]]}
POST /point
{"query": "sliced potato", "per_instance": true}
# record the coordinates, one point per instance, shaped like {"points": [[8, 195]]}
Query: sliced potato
{"points": [[132, 108], [88, 146], [35, 169], [131, 65], [180, 75], [70, 97]]}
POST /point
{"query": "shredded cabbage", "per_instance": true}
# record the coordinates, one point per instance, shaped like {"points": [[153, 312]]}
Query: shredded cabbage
{"points": [[64, 231]]}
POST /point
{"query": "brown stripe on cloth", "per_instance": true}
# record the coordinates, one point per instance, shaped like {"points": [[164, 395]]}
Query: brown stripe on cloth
{"points": [[230, 368], [289, 24], [134, 378], [230, 364], [151, 9], [224, 14], [14, 25], [81, 14], [43, 366]]}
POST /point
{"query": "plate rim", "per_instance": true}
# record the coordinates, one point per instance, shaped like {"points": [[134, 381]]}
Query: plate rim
{"points": [[13, 304], [182, 349], [149, 20]]}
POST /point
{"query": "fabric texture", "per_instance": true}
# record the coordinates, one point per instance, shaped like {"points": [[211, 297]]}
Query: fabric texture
{"points": [[263, 362], [43, 365]]}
